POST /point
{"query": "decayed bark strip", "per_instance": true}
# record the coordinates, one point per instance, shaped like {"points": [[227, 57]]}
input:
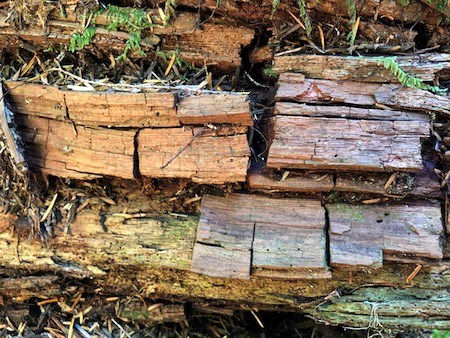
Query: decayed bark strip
{"points": [[243, 235], [294, 87], [336, 143], [213, 156], [338, 68], [121, 109], [367, 235]]}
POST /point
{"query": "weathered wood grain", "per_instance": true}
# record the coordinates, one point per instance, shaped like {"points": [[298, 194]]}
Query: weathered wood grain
{"points": [[121, 109], [294, 87], [336, 143], [242, 231], [338, 68], [209, 156], [303, 109], [217, 108], [58, 148], [365, 235], [294, 182]]}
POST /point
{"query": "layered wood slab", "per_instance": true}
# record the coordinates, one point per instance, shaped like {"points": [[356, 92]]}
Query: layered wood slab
{"points": [[296, 88], [365, 235], [121, 109], [242, 235], [343, 144], [338, 68]]}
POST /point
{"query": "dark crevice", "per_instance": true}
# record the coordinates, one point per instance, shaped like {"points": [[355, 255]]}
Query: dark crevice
{"points": [[327, 237], [217, 245], [136, 168]]}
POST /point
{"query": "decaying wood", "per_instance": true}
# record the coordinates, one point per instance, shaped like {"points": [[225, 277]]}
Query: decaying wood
{"points": [[423, 184], [294, 87], [61, 149], [294, 182], [330, 67], [304, 109], [221, 108], [216, 44], [367, 235], [122, 109], [10, 136], [211, 156], [336, 143], [118, 252], [243, 235]]}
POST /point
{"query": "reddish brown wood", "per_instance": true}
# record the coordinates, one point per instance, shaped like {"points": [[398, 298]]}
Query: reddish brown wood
{"points": [[213, 156], [335, 143]]}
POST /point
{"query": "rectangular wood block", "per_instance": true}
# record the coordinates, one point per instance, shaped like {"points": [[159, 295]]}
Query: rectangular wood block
{"points": [[276, 237], [217, 108], [337, 143], [214, 156], [57, 148], [364, 235]]}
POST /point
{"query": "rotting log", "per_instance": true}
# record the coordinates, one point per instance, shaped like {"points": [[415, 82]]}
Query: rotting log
{"points": [[296, 88], [153, 254], [330, 67]]}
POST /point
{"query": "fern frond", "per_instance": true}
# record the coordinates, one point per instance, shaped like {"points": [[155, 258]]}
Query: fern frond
{"points": [[305, 17]]}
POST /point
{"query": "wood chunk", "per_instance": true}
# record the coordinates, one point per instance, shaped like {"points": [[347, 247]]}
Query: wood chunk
{"points": [[333, 143], [36, 100], [289, 233], [303, 109], [217, 45], [220, 108], [58, 148], [283, 233], [367, 234], [214, 156], [120, 109], [224, 237], [368, 183], [338, 68], [295, 182], [294, 87]]}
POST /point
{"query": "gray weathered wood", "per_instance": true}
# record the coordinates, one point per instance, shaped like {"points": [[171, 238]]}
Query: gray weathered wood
{"points": [[364, 68], [365, 235], [336, 143], [269, 235], [294, 87]]}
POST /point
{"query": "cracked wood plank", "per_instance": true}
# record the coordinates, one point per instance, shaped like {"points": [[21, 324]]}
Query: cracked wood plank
{"points": [[279, 238], [342, 144], [330, 67], [217, 108], [296, 88], [213, 156], [367, 235], [121, 109], [61, 149]]}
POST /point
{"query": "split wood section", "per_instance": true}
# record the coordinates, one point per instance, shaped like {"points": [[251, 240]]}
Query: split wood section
{"points": [[69, 134], [426, 67], [240, 236], [309, 134]]}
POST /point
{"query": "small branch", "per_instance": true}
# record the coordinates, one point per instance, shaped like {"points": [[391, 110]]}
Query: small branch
{"points": [[198, 133]]}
